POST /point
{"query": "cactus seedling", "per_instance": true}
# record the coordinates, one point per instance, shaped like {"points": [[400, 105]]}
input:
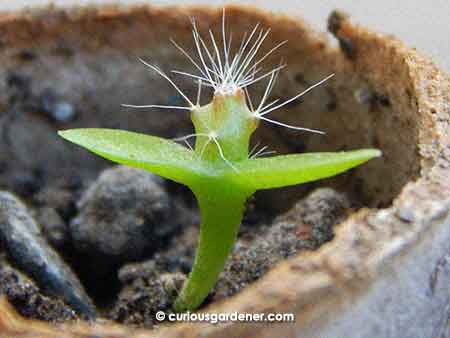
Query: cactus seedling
{"points": [[220, 170]]}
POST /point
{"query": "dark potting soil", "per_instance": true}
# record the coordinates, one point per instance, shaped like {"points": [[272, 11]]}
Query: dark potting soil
{"points": [[130, 237]]}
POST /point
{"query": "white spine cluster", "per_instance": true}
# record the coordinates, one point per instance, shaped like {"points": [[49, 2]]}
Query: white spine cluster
{"points": [[227, 73]]}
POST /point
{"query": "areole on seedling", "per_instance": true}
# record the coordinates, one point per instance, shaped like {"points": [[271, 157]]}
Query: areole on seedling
{"points": [[220, 170]]}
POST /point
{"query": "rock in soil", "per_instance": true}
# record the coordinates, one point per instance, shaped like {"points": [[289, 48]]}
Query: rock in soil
{"points": [[26, 184], [25, 244], [125, 215], [55, 107], [27, 298], [53, 226], [61, 199], [306, 226]]}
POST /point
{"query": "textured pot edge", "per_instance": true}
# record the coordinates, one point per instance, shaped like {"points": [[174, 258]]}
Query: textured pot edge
{"points": [[327, 273]]}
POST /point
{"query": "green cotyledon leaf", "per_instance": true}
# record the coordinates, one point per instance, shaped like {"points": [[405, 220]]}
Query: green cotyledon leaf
{"points": [[157, 155], [285, 170]]}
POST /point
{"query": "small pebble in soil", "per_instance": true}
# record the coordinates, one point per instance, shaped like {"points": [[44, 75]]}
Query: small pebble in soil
{"points": [[61, 199], [26, 184], [321, 210], [125, 215], [364, 96], [19, 88], [26, 55], [25, 244], [56, 108], [53, 226], [29, 301], [306, 226]]}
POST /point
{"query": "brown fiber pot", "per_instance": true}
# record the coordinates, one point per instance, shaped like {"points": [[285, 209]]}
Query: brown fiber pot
{"points": [[386, 272]]}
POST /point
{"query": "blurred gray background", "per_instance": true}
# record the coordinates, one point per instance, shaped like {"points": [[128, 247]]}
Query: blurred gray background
{"points": [[420, 23]]}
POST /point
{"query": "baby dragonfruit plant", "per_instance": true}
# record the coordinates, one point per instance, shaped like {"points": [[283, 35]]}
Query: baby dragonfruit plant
{"points": [[220, 170]]}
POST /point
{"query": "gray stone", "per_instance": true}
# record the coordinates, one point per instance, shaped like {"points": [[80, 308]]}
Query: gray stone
{"points": [[30, 301], [27, 247], [125, 215]]}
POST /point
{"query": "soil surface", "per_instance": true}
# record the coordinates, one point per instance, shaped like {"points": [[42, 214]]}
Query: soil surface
{"points": [[130, 238]]}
